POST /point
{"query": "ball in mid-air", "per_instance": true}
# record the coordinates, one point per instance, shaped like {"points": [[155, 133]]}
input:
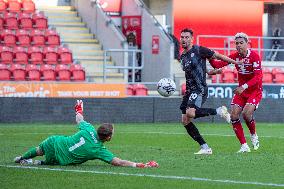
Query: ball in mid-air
{"points": [[166, 87]]}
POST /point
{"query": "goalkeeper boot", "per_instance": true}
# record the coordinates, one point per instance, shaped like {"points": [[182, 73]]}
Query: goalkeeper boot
{"points": [[254, 141], [244, 148], [38, 162], [26, 162], [17, 159], [223, 112], [202, 151]]}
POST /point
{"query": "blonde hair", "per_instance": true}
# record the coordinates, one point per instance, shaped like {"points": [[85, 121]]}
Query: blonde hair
{"points": [[242, 35]]}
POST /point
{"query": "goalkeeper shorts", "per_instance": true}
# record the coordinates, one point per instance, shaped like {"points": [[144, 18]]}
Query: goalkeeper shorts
{"points": [[47, 146]]}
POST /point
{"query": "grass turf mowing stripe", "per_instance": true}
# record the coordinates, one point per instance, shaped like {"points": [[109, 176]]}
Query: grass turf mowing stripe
{"points": [[147, 175]]}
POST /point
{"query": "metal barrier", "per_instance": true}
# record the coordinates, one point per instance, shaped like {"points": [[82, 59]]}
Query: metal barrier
{"points": [[261, 41], [129, 64]]}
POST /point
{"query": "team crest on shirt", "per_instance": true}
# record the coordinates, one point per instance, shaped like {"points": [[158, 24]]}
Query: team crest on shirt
{"points": [[192, 55], [255, 64]]}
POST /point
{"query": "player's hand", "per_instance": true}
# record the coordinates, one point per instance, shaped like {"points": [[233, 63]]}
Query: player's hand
{"points": [[79, 107], [238, 62], [238, 90]]}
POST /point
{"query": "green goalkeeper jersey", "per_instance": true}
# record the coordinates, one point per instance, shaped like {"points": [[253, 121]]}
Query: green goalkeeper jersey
{"points": [[82, 146]]}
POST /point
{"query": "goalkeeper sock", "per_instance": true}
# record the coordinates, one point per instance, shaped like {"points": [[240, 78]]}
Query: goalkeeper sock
{"points": [[194, 133], [31, 153], [238, 128], [203, 112]]}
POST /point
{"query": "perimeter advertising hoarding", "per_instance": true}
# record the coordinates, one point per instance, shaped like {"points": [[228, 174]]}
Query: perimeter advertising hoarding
{"points": [[62, 90]]}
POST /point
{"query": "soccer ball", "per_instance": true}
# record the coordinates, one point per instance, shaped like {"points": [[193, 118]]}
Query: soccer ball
{"points": [[166, 87]]}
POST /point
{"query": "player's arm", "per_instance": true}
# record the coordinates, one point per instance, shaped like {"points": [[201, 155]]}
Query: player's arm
{"points": [[79, 111], [125, 163], [224, 58], [214, 71]]}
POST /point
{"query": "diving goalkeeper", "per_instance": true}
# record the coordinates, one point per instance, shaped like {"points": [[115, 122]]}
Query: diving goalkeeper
{"points": [[86, 144]]}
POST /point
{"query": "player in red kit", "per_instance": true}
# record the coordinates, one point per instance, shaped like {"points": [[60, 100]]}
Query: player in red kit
{"points": [[248, 94]]}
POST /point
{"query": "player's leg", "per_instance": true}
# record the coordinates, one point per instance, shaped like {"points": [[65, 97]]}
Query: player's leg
{"points": [[26, 158], [236, 109], [252, 104]]}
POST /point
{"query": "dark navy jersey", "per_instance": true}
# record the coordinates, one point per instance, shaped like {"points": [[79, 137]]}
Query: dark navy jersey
{"points": [[193, 63]]}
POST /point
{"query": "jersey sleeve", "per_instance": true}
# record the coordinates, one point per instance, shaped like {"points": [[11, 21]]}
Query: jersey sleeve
{"points": [[257, 70], [205, 52], [83, 125], [105, 155]]}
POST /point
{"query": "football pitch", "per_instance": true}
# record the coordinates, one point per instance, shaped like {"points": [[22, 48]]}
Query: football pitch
{"points": [[167, 144]]}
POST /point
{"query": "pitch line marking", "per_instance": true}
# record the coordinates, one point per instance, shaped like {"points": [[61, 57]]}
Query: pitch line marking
{"points": [[142, 132], [146, 175]]}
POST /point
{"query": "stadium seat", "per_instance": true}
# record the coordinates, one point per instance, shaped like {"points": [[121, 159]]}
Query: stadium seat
{"points": [[63, 72], [21, 55], [52, 38], [278, 74], [78, 72], [267, 75], [39, 20], [217, 78], [48, 72], [35, 55], [38, 38], [228, 75], [140, 90], [130, 90], [6, 55], [14, 6], [8, 37], [3, 6], [50, 55], [25, 21], [18, 72], [10, 20], [65, 55], [23, 38], [28, 6], [33, 72], [5, 73], [183, 88]]}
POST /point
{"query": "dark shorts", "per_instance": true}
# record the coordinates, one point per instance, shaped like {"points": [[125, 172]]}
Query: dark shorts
{"points": [[193, 99]]}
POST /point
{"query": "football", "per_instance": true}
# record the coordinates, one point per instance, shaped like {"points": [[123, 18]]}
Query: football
{"points": [[166, 87]]}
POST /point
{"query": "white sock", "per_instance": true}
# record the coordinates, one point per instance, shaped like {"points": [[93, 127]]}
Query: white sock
{"points": [[205, 146], [218, 110]]}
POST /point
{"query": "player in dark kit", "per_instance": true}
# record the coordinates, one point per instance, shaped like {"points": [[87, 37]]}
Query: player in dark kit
{"points": [[193, 62]]}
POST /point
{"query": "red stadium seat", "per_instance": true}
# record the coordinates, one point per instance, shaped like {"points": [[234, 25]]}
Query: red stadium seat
{"points": [[267, 75], [6, 55], [50, 55], [21, 55], [35, 55], [18, 72], [65, 55], [5, 73], [63, 72], [48, 72], [183, 89], [28, 6], [9, 37], [278, 74], [140, 90], [23, 38], [228, 75], [38, 38], [52, 38], [39, 20], [78, 72], [14, 6], [25, 21], [33, 72], [10, 20], [130, 90], [3, 6]]}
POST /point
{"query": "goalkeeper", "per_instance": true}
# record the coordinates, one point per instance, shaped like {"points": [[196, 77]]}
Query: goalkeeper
{"points": [[86, 144]]}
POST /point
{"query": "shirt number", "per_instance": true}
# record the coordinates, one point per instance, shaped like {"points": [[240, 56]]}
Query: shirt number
{"points": [[77, 145]]}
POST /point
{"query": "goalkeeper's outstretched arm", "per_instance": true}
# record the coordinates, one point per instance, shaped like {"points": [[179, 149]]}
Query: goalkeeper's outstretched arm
{"points": [[79, 111], [125, 163]]}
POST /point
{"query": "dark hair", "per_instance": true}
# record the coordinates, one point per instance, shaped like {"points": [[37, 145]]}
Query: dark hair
{"points": [[105, 130], [187, 30]]}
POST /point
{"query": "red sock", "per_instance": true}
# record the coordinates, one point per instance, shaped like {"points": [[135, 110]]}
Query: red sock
{"points": [[237, 126], [251, 126]]}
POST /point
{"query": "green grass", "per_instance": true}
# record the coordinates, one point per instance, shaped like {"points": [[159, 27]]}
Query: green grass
{"points": [[166, 143]]}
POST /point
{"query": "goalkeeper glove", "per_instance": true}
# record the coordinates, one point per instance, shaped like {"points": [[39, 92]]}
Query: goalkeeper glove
{"points": [[79, 107], [148, 164]]}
